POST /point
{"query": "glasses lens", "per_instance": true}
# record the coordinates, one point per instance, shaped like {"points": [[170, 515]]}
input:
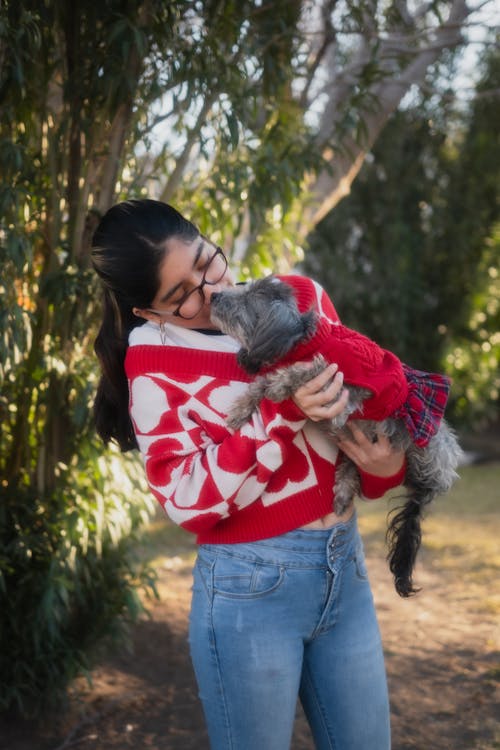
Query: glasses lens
{"points": [[216, 262], [194, 301], [192, 304]]}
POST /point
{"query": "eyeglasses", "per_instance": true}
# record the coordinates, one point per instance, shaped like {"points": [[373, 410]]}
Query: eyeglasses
{"points": [[192, 302]]}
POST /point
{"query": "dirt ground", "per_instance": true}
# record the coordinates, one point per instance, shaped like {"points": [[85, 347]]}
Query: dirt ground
{"points": [[443, 662]]}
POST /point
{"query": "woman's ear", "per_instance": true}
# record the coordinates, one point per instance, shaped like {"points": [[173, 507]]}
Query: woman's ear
{"points": [[140, 313]]}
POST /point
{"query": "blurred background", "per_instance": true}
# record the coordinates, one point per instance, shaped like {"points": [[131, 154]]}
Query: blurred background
{"points": [[356, 141]]}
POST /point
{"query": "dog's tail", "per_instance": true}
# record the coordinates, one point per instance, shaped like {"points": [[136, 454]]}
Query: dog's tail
{"points": [[404, 536], [430, 472]]}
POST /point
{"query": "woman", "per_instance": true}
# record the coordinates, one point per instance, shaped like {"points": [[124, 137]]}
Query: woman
{"points": [[281, 601]]}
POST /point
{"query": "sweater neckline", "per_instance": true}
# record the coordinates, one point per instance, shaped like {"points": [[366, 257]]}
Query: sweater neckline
{"points": [[180, 361], [209, 331]]}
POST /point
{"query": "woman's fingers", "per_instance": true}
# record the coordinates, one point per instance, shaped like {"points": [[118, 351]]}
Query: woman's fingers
{"points": [[319, 398], [377, 457], [319, 382]]}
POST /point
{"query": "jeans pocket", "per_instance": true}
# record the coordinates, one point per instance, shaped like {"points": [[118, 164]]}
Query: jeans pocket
{"points": [[245, 579]]}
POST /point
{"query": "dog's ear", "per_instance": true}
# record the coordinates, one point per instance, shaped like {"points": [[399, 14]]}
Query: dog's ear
{"points": [[276, 334], [278, 329], [249, 364], [309, 323], [242, 358]]}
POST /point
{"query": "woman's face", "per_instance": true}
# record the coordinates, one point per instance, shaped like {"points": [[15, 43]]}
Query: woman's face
{"points": [[186, 266]]}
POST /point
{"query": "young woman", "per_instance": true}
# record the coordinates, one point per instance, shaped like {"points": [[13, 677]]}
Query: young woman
{"points": [[281, 605]]}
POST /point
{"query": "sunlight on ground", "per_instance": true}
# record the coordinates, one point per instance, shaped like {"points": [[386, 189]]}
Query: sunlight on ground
{"points": [[168, 546]]}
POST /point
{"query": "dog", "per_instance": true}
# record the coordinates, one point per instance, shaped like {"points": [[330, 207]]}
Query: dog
{"points": [[263, 316]]}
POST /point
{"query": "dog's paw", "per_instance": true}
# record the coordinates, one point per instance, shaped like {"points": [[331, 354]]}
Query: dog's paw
{"points": [[241, 411], [346, 487], [235, 421], [341, 504]]}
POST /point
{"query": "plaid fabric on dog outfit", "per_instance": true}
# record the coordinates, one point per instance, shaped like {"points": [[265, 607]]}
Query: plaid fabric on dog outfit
{"points": [[424, 407]]}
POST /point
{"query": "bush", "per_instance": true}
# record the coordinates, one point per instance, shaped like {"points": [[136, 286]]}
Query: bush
{"points": [[68, 578]]}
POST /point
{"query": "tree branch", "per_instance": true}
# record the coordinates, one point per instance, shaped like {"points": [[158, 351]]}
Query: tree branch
{"points": [[193, 135], [333, 184]]}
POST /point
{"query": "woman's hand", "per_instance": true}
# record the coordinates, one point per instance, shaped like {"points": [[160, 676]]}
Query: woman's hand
{"points": [[317, 400], [316, 396], [378, 458]]}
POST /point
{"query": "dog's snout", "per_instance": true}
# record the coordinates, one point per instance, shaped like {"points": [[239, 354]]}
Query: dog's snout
{"points": [[214, 297]]}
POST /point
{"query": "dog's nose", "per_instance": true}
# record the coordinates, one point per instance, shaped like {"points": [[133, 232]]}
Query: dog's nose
{"points": [[213, 297]]}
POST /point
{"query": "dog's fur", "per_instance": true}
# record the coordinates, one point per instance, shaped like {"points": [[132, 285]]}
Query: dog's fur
{"points": [[264, 318]]}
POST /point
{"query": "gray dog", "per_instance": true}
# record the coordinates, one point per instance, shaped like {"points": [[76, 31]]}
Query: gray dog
{"points": [[264, 318]]}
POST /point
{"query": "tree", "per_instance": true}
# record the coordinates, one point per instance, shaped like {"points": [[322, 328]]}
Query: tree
{"points": [[72, 85], [395, 47], [77, 85]]}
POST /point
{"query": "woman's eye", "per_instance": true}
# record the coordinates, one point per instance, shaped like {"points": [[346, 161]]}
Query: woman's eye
{"points": [[204, 264], [177, 301]]}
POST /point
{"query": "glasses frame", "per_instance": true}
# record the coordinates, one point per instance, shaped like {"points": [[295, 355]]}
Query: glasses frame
{"points": [[197, 289]]}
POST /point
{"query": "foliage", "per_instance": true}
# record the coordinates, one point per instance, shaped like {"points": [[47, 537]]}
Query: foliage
{"points": [[473, 353], [473, 233], [67, 83], [409, 256], [239, 151], [67, 580]]}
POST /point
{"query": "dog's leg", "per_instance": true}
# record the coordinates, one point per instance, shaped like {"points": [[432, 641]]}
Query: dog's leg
{"points": [[347, 479], [282, 383], [243, 407], [347, 485], [276, 386]]}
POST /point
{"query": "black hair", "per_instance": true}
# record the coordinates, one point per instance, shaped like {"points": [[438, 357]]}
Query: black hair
{"points": [[128, 248]]}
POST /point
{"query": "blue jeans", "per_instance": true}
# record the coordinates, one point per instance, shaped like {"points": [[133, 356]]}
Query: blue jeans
{"points": [[288, 616]]}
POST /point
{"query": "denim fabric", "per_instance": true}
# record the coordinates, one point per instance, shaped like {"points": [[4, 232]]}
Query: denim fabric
{"points": [[286, 616]]}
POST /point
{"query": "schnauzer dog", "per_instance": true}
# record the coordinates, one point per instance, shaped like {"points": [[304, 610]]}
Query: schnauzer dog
{"points": [[264, 318]]}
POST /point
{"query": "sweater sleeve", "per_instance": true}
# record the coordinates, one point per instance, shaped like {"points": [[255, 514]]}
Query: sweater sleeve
{"points": [[199, 470], [325, 305], [373, 487]]}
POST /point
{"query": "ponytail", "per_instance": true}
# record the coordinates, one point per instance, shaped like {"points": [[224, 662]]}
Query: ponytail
{"points": [[111, 403]]}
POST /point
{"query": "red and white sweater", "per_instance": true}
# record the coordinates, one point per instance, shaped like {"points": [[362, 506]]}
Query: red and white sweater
{"points": [[274, 474]]}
